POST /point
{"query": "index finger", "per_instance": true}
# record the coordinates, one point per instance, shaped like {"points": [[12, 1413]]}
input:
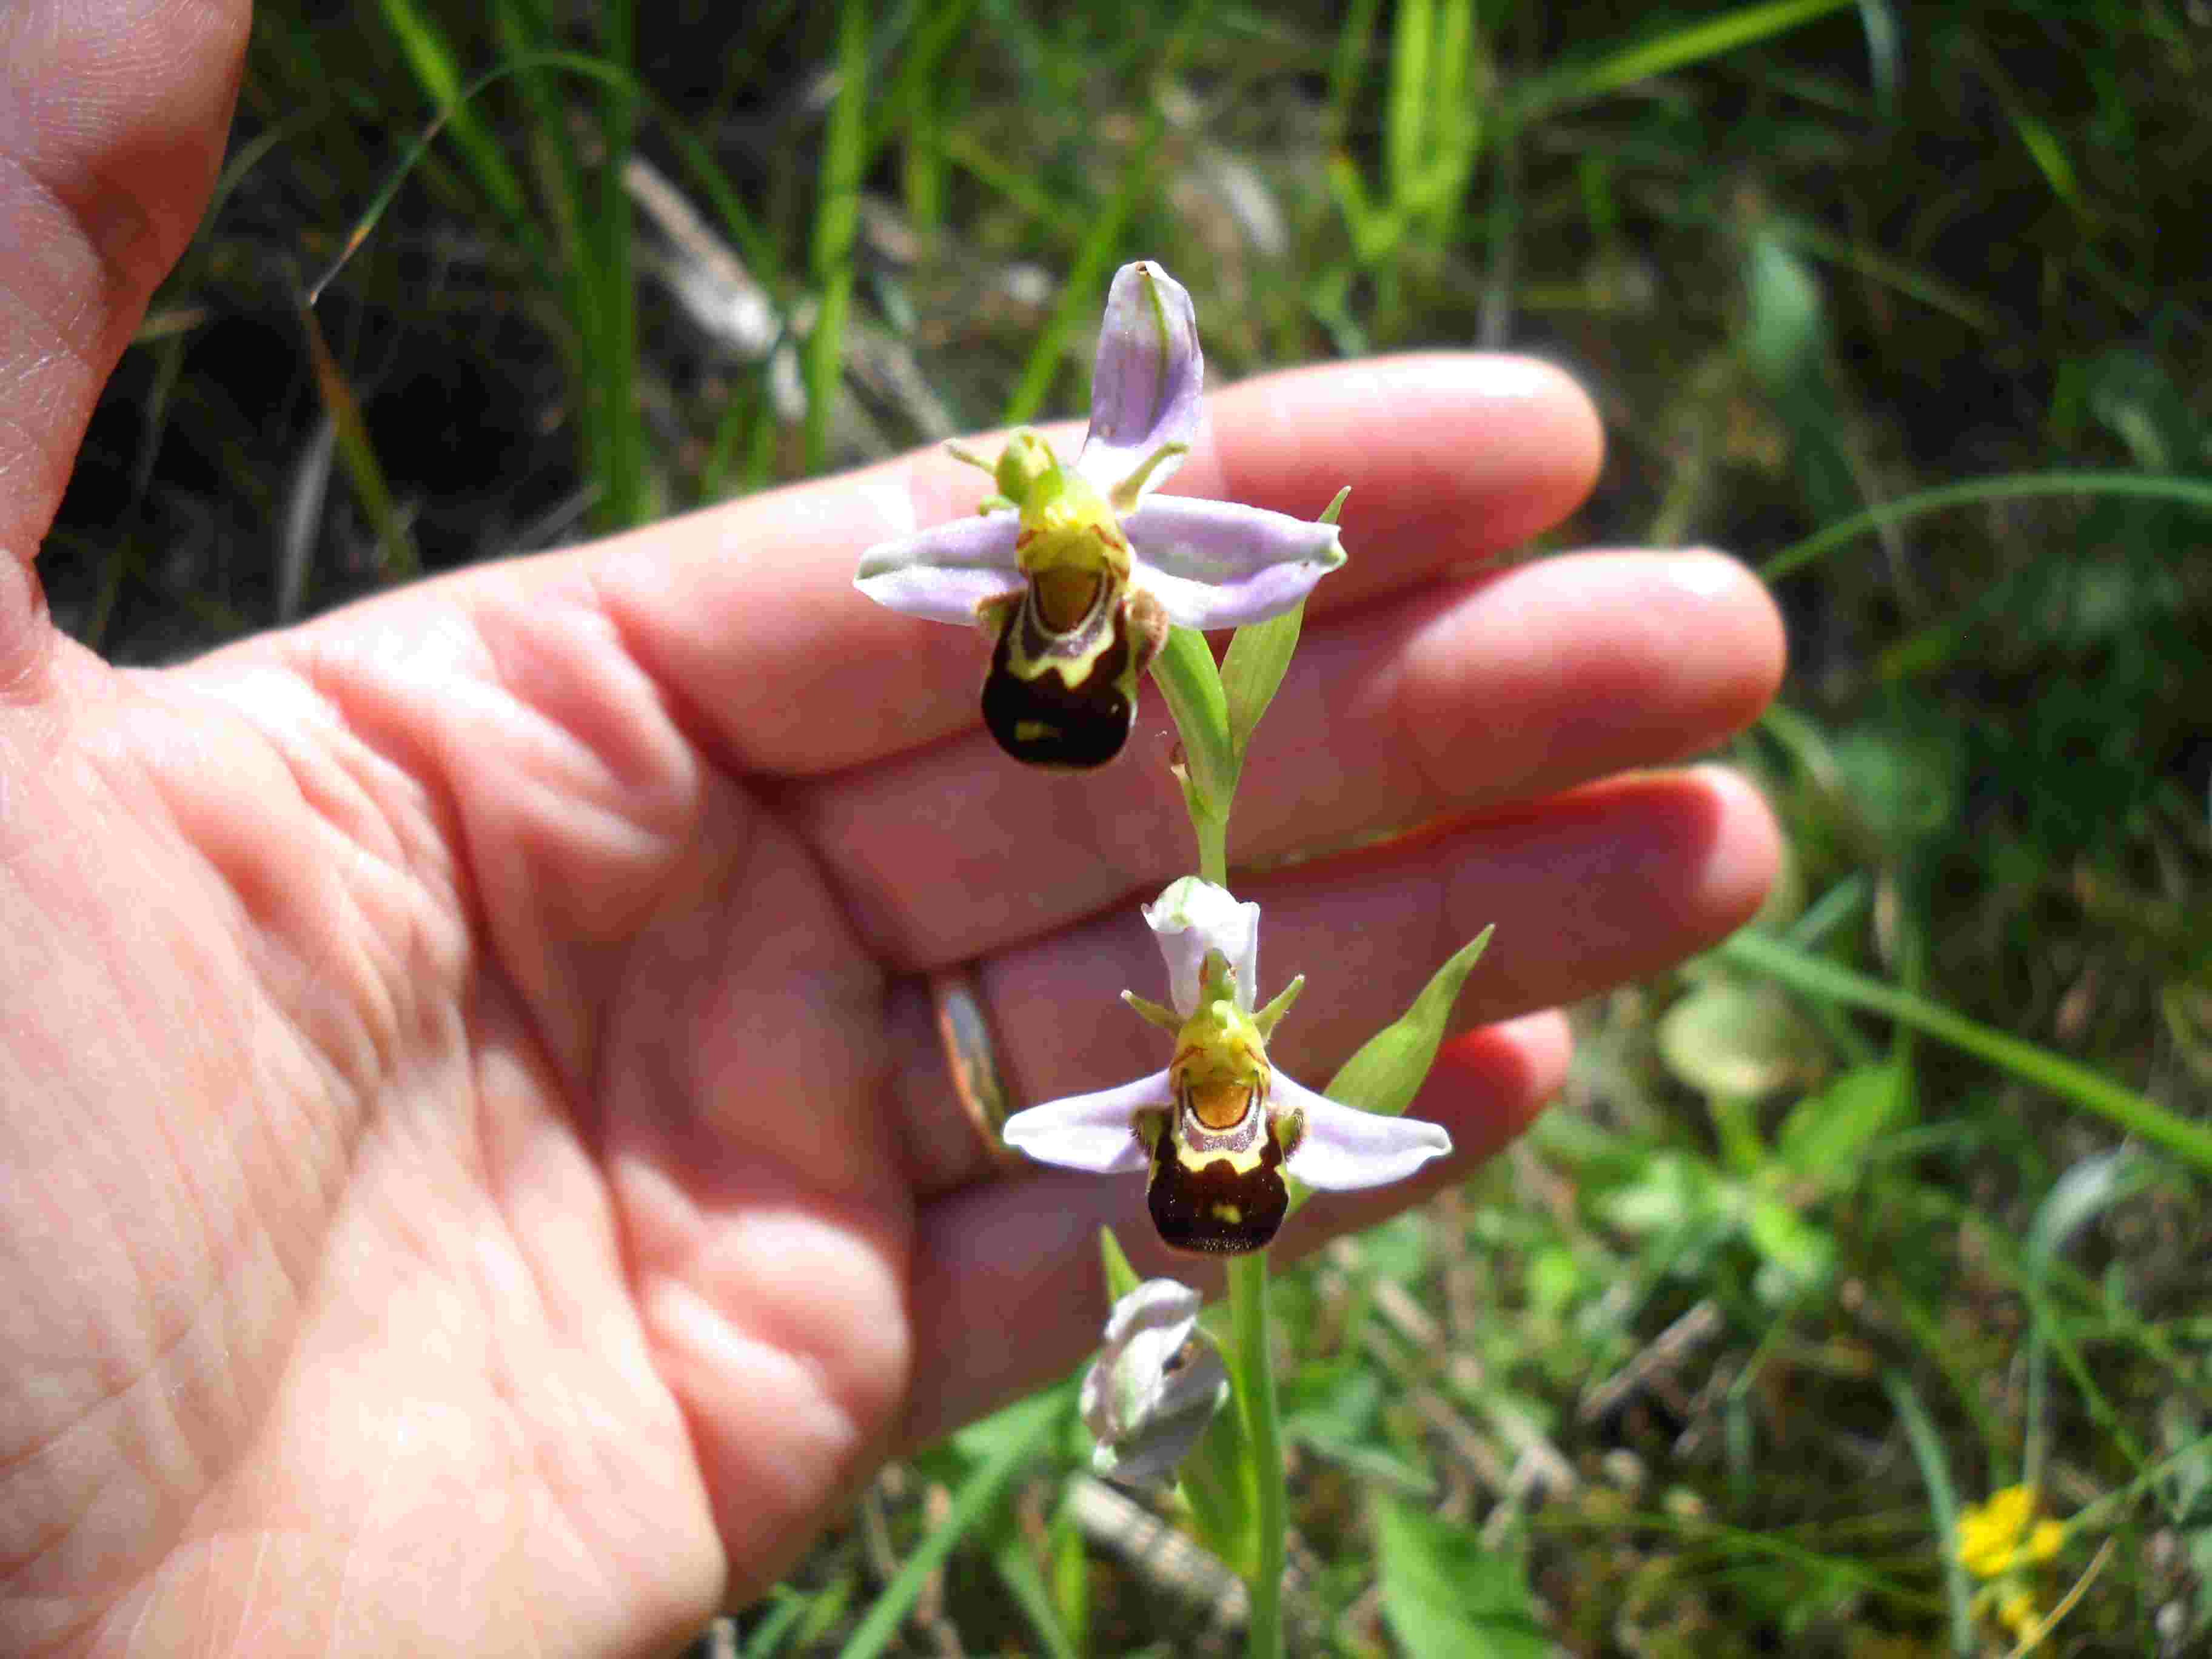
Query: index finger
{"points": [[746, 614]]}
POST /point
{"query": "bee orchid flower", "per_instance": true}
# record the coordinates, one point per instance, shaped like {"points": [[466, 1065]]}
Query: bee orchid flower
{"points": [[1077, 571], [1220, 1127]]}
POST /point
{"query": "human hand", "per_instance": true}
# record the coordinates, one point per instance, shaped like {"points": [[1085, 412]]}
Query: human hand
{"points": [[480, 1174]]}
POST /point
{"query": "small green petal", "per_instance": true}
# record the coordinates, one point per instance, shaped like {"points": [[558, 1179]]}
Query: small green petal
{"points": [[1269, 1017], [1166, 1019]]}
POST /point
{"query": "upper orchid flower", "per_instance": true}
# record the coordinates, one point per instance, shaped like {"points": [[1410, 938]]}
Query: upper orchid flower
{"points": [[1077, 571], [1220, 1127]]}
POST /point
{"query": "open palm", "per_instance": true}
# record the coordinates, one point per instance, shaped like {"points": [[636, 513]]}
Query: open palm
{"points": [[478, 1171]]}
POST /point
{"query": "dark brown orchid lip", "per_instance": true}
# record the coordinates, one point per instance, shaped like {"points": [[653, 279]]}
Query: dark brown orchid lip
{"points": [[1218, 1193], [1063, 697]]}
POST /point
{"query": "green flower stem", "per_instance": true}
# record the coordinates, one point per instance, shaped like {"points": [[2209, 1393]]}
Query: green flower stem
{"points": [[1255, 1397], [1185, 673]]}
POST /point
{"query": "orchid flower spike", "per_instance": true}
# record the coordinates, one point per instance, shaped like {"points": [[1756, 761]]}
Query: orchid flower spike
{"points": [[1077, 571], [1155, 1385], [1219, 1128]]}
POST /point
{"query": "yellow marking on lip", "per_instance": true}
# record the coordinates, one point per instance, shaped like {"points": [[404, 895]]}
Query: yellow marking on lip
{"points": [[1220, 1105], [1065, 595]]}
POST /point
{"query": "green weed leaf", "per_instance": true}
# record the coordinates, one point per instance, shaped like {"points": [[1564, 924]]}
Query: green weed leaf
{"points": [[1826, 1135], [1728, 1037], [1446, 1596]]}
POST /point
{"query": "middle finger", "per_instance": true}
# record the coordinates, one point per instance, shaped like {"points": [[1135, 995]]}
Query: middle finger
{"points": [[1509, 687]]}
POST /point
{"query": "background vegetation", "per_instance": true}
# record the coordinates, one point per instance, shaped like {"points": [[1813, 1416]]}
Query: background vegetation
{"points": [[1894, 1201]]}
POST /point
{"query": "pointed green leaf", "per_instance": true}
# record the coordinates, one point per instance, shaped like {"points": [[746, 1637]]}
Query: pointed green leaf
{"points": [[1121, 1277], [1185, 673], [1446, 1596], [1253, 667], [1826, 1135], [1252, 672], [1386, 1074], [1216, 1481]]}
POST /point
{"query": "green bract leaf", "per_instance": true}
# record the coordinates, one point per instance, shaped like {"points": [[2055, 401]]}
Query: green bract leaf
{"points": [[1185, 673], [1252, 672], [1386, 1074], [1217, 1482], [1826, 1135], [1121, 1277], [1446, 1596]]}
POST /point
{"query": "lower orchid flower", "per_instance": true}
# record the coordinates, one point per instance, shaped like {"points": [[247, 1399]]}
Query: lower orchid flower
{"points": [[1220, 1127], [1155, 1386], [1077, 571]]}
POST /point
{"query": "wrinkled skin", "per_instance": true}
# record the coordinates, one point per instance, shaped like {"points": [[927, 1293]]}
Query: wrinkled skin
{"points": [[478, 1175]]}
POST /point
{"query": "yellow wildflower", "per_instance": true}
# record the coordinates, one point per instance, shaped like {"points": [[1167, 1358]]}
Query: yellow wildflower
{"points": [[2017, 1612], [2003, 1534]]}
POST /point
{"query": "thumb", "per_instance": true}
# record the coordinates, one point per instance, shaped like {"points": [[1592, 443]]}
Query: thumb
{"points": [[112, 122]]}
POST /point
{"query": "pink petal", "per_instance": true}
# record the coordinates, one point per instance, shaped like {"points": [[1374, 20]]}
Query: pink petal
{"points": [[1344, 1149], [943, 574], [1219, 564], [1094, 1132], [1146, 383]]}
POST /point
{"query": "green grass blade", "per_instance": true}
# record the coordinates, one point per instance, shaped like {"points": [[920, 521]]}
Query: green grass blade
{"points": [[358, 454], [432, 59], [1187, 678], [2003, 487], [1677, 49], [610, 332], [573, 63], [1031, 1421], [1026, 1588], [1405, 127], [2090, 1090], [1943, 1502], [1347, 65], [836, 220]]}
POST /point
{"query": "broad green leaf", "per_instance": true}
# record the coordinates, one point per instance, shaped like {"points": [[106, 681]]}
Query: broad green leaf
{"points": [[1446, 1596], [1796, 1253], [1728, 1037], [1386, 1074], [1827, 1134]]}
